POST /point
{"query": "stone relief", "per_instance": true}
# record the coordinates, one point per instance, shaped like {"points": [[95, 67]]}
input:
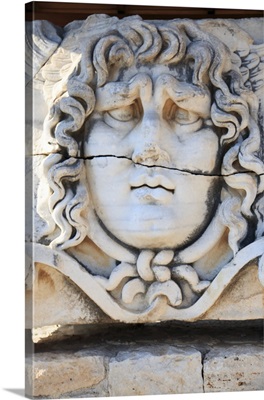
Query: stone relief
{"points": [[151, 189]]}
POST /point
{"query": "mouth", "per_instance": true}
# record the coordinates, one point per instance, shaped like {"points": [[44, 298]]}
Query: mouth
{"points": [[156, 189], [149, 188], [154, 182]]}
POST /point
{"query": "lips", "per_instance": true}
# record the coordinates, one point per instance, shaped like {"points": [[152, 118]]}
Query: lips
{"points": [[156, 188], [146, 187], [152, 182]]}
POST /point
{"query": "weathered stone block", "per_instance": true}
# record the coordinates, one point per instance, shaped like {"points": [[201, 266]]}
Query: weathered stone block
{"points": [[57, 301], [242, 301], [155, 370], [234, 368], [148, 360], [54, 374]]}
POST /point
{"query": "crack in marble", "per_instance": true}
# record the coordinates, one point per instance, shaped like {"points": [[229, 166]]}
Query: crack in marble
{"points": [[185, 171]]}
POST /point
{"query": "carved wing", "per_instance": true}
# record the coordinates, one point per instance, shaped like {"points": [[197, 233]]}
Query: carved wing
{"points": [[252, 67], [42, 39]]}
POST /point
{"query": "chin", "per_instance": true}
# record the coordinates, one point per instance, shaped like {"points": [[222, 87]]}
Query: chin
{"points": [[152, 239]]}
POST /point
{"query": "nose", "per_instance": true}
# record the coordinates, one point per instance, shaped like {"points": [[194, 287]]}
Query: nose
{"points": [[148, 147], [150, 154]]}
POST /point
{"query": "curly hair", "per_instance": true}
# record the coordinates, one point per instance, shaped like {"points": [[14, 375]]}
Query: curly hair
{"points": [[84, 62]]}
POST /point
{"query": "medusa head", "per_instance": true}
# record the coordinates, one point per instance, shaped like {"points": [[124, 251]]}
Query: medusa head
{"points": [[153, 144]]}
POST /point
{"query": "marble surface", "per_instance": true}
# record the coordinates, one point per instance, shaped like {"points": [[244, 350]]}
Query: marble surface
{"points": [[144, 156]]}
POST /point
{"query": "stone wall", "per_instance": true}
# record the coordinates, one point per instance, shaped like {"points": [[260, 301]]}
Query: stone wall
{"points": [[149, 360]]}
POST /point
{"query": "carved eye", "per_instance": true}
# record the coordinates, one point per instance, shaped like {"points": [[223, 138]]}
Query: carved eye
{"points": [[173, 113], [126, 113]]}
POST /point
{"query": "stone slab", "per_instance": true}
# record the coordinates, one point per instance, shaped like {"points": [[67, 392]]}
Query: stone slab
{"points": [[149, 361], [57, 301], [236, 368], [240, 301], [52, 374], [155, 370]]}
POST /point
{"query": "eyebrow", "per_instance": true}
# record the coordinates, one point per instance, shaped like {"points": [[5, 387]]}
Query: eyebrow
{"points": [[113, 95], [187, 95], [117, 94]]}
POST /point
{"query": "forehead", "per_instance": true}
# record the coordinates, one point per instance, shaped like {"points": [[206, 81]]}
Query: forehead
{"points": [[154, 70]]}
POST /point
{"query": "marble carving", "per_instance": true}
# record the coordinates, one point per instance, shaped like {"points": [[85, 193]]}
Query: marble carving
{"points": [[150, 192]]}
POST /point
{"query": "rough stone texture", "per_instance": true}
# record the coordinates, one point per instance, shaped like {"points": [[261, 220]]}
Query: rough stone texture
{"points": [[57, 374], [155, 370], [241, 301], [234, 368], [149, 360], [57, 301]]}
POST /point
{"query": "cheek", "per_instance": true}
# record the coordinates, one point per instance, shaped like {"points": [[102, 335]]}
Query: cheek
{"points": [[108, 179], [195, 199], [98, 139], [193, 190], [197, 151]]}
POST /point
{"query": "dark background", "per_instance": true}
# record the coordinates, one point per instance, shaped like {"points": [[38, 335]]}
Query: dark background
{"points": [[62, 13]]}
